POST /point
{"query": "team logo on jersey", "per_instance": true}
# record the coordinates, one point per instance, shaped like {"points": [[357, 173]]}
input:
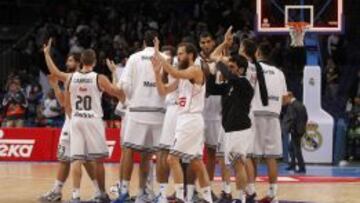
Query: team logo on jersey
{"points": [[17, 148], [312, 140], [182, 101], [312, 81], [82, 89]]}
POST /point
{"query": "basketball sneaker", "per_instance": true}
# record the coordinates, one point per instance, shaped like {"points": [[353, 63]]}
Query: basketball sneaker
{"points": [[236, 201], [75, 200], [250, 198], [268, 199], [225, 197], [103, 198], [160, 199], [122, 198], [51, 196], [115, 189]]}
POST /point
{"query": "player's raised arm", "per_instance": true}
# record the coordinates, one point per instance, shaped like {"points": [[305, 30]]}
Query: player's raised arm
{"points": [[221, 50], [191, 73], [51, 65], [112, 67], [53, 81], [162, 88], [111, 89]]}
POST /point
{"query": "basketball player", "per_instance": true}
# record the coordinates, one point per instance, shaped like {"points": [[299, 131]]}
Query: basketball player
{"points": [[144, 118], [213, 127], [87, 142], [55, 194], [212, 110], [189, 131], [237, 93], [168, 132], [64, 147], [248, 50], [267, 142]]}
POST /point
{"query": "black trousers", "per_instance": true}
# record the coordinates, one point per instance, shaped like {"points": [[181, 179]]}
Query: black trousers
{"points": [[295, 151]]}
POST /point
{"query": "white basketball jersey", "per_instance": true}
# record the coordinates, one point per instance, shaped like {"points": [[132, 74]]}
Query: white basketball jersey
{"points": [[191, 97], [172, 97], [85, 95]]}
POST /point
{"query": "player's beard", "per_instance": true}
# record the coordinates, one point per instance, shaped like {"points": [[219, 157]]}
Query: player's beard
{"points": [[184, 64]]}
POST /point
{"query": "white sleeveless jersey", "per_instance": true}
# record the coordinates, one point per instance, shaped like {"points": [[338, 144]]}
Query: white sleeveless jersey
{"points": [[172, 97], [191, 97], [85, 95]]}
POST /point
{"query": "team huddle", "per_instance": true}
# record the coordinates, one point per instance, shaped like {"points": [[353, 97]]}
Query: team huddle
{"points": [[173, 105]]}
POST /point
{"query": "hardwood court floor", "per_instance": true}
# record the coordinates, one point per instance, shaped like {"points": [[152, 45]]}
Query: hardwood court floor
{"points": [[25, 182]]}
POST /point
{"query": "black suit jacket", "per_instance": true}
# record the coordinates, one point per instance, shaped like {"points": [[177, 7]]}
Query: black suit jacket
{"points": [[296, 118]]}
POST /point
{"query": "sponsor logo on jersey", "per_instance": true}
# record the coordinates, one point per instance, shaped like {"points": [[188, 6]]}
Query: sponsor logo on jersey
{"points": [[149, 84], [16, 148], [146, 58]]}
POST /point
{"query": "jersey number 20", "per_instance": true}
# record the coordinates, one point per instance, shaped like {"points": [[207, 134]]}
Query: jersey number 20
{"points": [[83, 103]]}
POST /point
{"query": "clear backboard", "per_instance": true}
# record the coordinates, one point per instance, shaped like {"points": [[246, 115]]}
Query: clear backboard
{"points": [[321, 15]]}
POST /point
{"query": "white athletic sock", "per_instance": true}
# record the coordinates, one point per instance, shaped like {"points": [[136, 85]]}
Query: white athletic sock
{"points": [[272, 190], [179, 189], [226, 187], [118, 183], [124, 187], [58, 185], [76, 193], [190, 189], [241, 195], [96, 188], [206, 194], [250, 188], [162, 189]]}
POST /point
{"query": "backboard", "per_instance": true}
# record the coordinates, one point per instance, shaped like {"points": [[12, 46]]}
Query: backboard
{"points": [[273, 16]]}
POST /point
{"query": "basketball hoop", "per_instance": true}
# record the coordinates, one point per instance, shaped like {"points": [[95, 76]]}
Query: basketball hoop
{"points": [[297, 33]]}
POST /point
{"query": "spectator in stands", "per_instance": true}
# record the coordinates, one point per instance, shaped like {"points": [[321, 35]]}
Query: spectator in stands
{"points": [[52, 111], [14, 104], [34, 98]]}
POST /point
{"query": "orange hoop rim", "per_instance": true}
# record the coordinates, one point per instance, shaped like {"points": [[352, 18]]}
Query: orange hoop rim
{"points": [[298, 26]]}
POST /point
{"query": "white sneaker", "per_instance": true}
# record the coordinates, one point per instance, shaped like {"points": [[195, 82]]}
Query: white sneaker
{"points": [[160, 199], [51, 196]]}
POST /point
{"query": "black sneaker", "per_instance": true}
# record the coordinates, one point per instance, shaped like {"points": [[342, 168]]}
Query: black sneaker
{"points": [[225, 197], [236, 201], [250, 198], [301, 170], [290, 168]]}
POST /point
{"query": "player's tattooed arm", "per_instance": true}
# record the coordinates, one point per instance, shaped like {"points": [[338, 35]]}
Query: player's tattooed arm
{"points": [[62, 76], [53, 81], [162, 88], [221, 50], [113, 90]]}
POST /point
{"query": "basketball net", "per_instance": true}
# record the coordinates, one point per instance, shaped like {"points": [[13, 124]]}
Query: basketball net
{"points": [[297, 33]]}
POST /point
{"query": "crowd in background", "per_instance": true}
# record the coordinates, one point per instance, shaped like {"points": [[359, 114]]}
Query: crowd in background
{"points": [[115, 30]]}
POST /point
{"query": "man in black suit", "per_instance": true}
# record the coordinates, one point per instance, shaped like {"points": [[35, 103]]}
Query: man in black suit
{"points": [[295, 121]]}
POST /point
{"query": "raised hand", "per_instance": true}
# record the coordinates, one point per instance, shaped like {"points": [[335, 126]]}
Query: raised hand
{"points": [[229, 37], [111, 65], [157, 45], [156, 64], [47, 47]]}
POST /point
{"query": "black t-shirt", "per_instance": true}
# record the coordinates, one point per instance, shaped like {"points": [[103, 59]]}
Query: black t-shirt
{"points": [[237, 94]]}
